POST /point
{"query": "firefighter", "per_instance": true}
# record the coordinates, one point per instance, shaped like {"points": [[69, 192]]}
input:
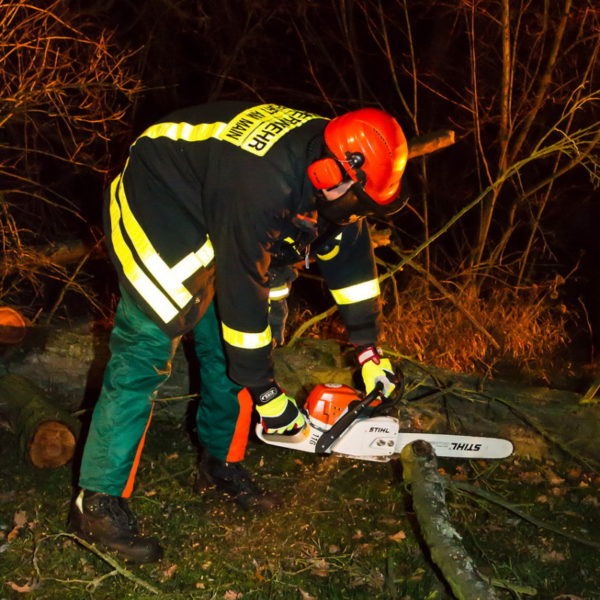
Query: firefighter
{"points": [[214, 204]]}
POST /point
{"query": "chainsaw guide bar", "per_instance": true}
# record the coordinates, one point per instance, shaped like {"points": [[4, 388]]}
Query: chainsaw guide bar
{"points": [[337, 423], [379, 439]]}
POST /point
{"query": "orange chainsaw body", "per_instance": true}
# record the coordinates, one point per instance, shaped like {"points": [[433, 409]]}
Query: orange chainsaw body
{"points": [[328, 402]]}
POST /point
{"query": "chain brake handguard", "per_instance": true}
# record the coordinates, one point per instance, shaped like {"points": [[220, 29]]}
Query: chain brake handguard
{"points": [[337, 429]]}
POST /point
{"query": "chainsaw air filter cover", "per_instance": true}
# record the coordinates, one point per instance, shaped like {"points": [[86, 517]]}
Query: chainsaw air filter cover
{"points": [[328, 402]]}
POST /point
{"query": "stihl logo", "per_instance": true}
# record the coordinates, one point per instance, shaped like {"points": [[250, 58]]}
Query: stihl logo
{"points": [[464, 446], [378, 430]]}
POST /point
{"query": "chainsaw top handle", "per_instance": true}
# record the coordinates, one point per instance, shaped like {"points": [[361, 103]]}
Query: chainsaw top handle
{"points": [[331, 435]]}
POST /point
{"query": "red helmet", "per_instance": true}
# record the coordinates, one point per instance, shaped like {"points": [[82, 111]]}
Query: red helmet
{"points": [[369, 147]]}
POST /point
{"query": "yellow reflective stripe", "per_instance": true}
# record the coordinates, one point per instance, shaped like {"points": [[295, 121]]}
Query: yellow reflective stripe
{"points": [[151, 259], [356, 293], [206, 253], [277, 293], [185, 131], [140, 281], [334, 251], [329, 255], [249, 341]]}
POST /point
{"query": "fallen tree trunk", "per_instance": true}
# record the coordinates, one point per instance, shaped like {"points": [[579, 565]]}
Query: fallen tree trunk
{"points": [[427, 488], [45, 433], [538, 420]]}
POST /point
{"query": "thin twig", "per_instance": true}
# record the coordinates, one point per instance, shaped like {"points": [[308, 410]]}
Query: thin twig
{"points": [[107, 558], [458, 305], [308, 324], [177, 398]]}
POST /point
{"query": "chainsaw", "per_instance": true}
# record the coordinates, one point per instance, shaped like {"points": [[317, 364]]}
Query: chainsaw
{"points": [[340, 421]]}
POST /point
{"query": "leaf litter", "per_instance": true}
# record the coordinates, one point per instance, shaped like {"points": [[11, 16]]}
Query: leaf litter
{"points": [[341, 523]]}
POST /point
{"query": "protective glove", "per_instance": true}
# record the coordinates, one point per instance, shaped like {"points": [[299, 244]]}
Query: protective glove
{"points": [[375, 368], [278, 412], [278, 314]]}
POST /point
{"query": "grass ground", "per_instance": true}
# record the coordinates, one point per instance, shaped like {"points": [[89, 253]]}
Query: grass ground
{"points": [[346, 531]]}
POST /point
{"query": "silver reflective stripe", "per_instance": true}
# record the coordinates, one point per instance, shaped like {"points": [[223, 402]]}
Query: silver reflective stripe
{"points": [[278, 293]]}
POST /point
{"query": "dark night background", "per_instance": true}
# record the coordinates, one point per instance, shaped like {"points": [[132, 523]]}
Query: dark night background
{"points": [[482, 302], [435, 65]]}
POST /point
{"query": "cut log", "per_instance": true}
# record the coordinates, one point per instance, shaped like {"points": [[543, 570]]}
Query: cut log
{"points": [[13, 325], [426, 144], [46, 434], [427, 488]]}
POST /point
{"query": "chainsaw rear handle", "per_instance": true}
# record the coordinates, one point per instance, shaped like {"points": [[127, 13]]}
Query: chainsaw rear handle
{"points": [[338, 428]]}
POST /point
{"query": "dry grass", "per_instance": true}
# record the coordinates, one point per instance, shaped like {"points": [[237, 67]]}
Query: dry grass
{"points": [[530, 328], [529, 325]]}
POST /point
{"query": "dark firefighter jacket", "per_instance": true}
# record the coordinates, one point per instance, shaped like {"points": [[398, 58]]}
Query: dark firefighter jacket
{"points": [[209, 198]]}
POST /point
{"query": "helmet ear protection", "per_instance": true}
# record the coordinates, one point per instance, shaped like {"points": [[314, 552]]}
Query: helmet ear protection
{"points": [[328, 173], [367, 147]]}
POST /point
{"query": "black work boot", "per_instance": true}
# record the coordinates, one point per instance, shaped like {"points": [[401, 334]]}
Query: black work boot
{"points": [[107, 520], [234, 480]]}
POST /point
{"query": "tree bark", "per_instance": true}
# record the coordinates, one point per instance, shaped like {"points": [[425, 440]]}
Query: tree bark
{"points": [[426, 144], [427, 488], [45, 433]]}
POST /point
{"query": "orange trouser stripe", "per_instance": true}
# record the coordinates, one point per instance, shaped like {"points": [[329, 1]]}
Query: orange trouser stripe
{"points": [[237, 447], [136, 461]]}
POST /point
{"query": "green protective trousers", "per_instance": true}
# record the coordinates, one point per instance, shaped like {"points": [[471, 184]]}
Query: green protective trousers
{"points": [[141, 355]]}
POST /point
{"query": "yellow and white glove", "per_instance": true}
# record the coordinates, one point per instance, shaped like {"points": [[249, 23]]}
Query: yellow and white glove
{"points": [[278, 412], [375, 368]]}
